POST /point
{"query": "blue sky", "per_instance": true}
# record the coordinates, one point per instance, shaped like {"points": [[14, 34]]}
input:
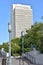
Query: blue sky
{"points": [[5, 10]]}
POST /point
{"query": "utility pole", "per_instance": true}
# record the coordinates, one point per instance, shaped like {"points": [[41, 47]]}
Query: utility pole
{"points": [[9, 44], [22, 35]]}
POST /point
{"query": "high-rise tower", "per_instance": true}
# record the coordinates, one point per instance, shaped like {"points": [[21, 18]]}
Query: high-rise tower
{"points": [[21, 19]]}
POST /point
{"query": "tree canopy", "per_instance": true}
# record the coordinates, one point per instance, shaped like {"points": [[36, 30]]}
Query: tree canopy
{"points": [[32, 38]]}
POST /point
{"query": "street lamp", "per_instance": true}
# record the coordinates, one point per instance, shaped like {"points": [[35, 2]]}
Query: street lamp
{"points": [[22, 35], [9, 30]]}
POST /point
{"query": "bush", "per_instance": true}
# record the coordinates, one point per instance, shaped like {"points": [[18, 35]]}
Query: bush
{"points": [[41, 45], [27, 49], [41, 48], [16, 54]]}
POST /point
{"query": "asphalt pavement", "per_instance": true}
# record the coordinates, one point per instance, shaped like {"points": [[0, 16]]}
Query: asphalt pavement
{"points": [[19, 61]]}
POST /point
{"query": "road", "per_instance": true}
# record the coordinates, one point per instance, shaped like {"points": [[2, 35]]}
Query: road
{"points": [[19, 61]]}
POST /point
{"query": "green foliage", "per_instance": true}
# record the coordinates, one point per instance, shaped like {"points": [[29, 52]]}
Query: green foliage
{"points": [[41, 45], [27, 49], [15, 45], [16, 54], [5, 46], [33, 37], [1, 46]]}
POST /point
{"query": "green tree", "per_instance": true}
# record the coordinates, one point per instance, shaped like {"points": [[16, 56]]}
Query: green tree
{"points": [[33, 35], [15, 45], [41, 45], [5, 46], [1, 46]]}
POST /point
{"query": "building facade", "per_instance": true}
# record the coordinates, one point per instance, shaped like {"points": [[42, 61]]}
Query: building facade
{"points": [[21, 19]]}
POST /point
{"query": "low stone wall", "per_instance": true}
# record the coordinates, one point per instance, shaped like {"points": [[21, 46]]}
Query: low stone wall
{"points": [[35, 58]]}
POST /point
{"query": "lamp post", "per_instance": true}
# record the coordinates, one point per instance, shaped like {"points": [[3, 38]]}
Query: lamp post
{"points": [[9, 44], [22, 35]]}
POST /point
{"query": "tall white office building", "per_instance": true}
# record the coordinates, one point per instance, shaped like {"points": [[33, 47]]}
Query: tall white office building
{"points": [[21, 19]]}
